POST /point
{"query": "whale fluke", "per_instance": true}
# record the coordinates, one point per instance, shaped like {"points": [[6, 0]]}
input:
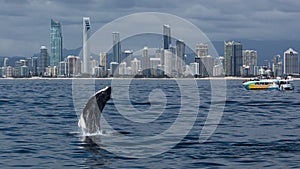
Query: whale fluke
{"points": [[89, 120]]}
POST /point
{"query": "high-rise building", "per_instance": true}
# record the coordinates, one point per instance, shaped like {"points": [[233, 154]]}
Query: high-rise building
{"points": [[206, 64], [56, 43], [145, 58], [63, 69], [205, 61], [116, 47], [135, 66], [291, 62], [277, 66], [159, 53], [114, 71], [1, 72], [43, 61], [128, 56], [168, 66], [33, 65], [250, 60], [166, 36], [24, 71], [218, 69], [103, 62], [201, 50], [154, 65], [233, 58], [194, 68], [180, 59], [122, 68], [5, 63], [9, 71], [74, 65], [93, 64], [86, 31]]}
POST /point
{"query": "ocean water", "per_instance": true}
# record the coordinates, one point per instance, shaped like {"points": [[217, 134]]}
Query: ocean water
{"points": [[257, 129]]}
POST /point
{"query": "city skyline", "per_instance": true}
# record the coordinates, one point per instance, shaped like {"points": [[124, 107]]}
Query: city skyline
{"points": [[237, 62], [251, 20]]}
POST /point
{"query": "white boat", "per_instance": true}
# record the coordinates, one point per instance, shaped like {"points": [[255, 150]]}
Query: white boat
{"points": [[269, 84]]}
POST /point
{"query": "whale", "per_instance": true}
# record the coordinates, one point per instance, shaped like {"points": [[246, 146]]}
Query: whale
{"points": [[89, 120]]}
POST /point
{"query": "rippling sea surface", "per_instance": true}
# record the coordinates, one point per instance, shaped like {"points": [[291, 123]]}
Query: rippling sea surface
{"points": [[38, 127]]}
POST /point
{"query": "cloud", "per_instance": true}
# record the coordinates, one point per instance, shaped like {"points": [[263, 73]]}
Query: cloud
{"points": [[28, 21]]}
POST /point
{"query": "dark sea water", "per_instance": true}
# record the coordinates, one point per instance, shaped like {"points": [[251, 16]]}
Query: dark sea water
{"points": [[258, 129]]}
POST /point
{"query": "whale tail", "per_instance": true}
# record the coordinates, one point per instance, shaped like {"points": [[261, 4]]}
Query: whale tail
{"points": [[89, 120]]}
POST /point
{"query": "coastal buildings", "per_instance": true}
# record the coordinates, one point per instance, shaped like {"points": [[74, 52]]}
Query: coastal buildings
{"points": [[85, 43], [290, 62], [170, 59], [56, 42], [233, 58]]}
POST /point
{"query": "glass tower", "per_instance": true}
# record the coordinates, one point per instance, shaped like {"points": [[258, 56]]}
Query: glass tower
{"points": [[166, 36], [43, 60], [233, 54], [116, 47], [180, 59], [56, 43]]}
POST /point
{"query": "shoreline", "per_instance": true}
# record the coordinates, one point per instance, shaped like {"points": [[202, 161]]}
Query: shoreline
{"points": [[72, 78]]}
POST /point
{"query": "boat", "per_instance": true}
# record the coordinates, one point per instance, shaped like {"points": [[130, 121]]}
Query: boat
{"points": [[269, 84]]}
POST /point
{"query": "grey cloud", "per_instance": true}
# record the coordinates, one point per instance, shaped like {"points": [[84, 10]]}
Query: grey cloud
{"points": [[29, 20]]}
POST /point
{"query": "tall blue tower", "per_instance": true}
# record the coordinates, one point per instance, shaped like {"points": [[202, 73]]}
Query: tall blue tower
{"points": [[56, 43]]}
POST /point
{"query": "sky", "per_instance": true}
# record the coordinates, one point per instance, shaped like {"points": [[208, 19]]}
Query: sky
{"points": [[25, 24]]}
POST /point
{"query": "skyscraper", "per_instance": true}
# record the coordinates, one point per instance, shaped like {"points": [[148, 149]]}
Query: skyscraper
{"points": [[168, 56], [250, 60], [145, 58], [277, 66], [180, 59], [135, 66], [43, 61], [86, 48], [166, 36], [116, 47], [5, 63], [233, 58], [103, 61], [201, 50], [33, 66], [128, 56], [291, 62], [56, 43], [74, 65], [206, 64]]}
